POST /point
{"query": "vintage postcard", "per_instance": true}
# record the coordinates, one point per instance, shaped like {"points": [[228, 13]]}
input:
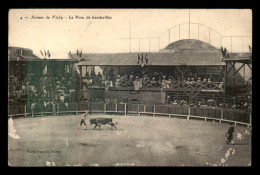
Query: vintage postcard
{"points": [[129, 87]]}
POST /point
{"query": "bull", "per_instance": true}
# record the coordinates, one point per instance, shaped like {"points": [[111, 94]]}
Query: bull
{"points": [[102, 121]]}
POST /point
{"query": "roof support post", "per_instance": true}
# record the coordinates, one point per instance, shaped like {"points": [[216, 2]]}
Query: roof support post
{"points": [[182, 70], [239, 69], [225, 83], [80, 77], [244, 71], [249, 66], [194, 95], [232, 66]]}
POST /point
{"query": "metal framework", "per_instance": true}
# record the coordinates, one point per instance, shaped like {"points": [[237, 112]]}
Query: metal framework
{"points": [[231, 71], [169, 33]]}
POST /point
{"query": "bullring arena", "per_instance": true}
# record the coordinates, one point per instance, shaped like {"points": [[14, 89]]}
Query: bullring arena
{"points": [[138, 141], [178, 98]]}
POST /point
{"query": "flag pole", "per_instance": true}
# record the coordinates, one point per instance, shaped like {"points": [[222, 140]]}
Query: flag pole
{"points": [[130, 34], [189, 23]]}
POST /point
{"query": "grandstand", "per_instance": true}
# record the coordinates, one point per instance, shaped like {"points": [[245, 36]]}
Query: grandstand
{"points": [[187, 72], [190, 70], [35, 80]]}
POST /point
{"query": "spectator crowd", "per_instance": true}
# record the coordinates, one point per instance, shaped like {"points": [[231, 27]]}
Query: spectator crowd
{"points": [[242, 104], [155, 80], [42, 89], [49, 90]]}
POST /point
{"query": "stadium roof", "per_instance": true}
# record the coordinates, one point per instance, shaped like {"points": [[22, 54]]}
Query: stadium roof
{"points": [[155, 59], [37, 59], [182, 52], [54, 60], [190, 44], [14, 55], [28, 56], [239, 58]]}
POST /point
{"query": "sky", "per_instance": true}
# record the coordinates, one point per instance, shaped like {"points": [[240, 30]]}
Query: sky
{"points": [[60, 36]]}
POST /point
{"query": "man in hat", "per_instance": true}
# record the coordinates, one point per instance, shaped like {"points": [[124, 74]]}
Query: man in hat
{"points": [[169, 82], [153, 82], [137, 83], [99, 78], [164, 84], [187, 82], [205, 81], [144, 81], [198, 82], [175, 103], [131, 76], [33, 106], [192, 82], [221, 84], [53, 104], [117, 84], [83, 118], [229, 134], [209, 82]]}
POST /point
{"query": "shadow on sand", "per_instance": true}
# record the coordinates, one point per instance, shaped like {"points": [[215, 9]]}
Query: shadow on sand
{"points": [[102, 129], [242, 143]]}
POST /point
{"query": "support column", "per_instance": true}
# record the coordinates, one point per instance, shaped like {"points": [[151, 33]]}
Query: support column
{"points": [[25, 110], [250, 120], [58, 109], [125, 109], [154, 110], [225, 83], [188, 117], [191, 96], [221, 117], [90, 108], [138, 110], [80, 78], [182, 76], [244, 72]]}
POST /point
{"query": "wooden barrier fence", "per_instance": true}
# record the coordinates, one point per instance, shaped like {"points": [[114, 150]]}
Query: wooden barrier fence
{"points": [[220, 115]]}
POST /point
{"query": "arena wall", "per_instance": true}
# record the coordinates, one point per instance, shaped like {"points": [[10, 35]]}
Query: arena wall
{"points": [[143, 97]]}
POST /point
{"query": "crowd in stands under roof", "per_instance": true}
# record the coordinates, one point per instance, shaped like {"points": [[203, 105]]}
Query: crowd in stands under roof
{"points": [[156, 80], [44, 89], [242, 101]]}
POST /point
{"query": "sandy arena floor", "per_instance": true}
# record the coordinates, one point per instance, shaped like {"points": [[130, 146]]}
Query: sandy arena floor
{"points": [[138, 141]]}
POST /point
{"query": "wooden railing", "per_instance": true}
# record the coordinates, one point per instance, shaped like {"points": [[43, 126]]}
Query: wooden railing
{"points": [[219, 115], [156, 84]]}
